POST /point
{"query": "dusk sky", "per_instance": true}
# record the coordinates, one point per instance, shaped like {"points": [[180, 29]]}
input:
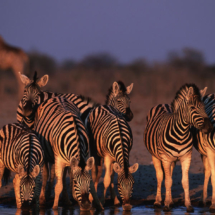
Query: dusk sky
{"points": [[128, 30]]}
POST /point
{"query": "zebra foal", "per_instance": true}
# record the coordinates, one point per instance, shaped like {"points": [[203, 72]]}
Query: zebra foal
{"points": [[205, 145], [168, 138], [111, 141], [21, 152]]}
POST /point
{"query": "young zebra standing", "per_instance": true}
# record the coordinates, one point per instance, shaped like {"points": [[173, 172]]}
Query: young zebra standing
{"points": [[168, 138], [205, 144], [111, 140], [21, 152]]}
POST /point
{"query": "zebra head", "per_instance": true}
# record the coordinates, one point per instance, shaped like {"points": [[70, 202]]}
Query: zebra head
{"points": [[31, 92], [27, 183], [81, 182], [118, 98], [125, 183], [189, 103]]}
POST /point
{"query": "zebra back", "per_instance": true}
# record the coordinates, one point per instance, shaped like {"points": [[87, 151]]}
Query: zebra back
{"points": [[57, 122], [111, 134], [22, 153]]}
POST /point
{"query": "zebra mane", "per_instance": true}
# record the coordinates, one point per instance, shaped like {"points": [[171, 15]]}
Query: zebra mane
{"points": [[35, 77], [88, 100], [182, 92], [122, 88]]}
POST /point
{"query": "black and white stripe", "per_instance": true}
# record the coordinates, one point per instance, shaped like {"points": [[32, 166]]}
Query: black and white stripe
{"points": [[205, 144], [111, 140], [64, 139], [22, 153], [168, 138]]}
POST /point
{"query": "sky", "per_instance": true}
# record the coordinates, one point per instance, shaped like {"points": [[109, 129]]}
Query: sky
{"points": [[149, 29]]}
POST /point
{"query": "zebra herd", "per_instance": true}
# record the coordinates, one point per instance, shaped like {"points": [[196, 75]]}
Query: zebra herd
{"points": [[58, 134]]}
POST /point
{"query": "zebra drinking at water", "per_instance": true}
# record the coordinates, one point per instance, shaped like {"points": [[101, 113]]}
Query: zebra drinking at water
{"points": [[21, 152], [205, 144], [111, 140], [168, 138]]}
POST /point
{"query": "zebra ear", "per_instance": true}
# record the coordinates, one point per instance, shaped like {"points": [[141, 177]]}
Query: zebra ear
{"points": [[115, 87], [129, 88], [24, 79], [90, 163], [74, 162], [202, 92], [21, 170], [41, 82], [117, 168], [190, 93], [36, 171], [134, 168]]}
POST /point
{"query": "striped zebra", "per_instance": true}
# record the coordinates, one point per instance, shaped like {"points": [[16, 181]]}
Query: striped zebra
{"points": [[65, 142], [33, 97], [21, 152], [117, 97], [205, 144], [168, 138], [111, 141]]}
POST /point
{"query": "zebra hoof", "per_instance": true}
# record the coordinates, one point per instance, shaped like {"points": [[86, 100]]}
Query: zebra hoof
{"points": [[166, 208], [55, 208], [212, 209], [190, 209], [157, 205]]}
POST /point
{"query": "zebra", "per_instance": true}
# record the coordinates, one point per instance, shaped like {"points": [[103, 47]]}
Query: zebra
{"points": [[204, 143], [21, 152], [111, 140], [168, 138], [64, 139]]}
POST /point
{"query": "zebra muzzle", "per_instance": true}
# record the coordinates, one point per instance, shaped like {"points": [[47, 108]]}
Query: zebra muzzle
{"points": [[126, 207], [128, 115], [85, 203]]}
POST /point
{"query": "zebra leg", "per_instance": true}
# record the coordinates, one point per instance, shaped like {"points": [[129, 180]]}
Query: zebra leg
{"points": [[16, 185], [42, 198], [2, 167], [59, 168], [185, 166], [159, 176], [107, 178], [168, 185], [96, 175], [112, 191], [207, 173], [211, 160], [172, 168], [51, 170], [65, 195]]}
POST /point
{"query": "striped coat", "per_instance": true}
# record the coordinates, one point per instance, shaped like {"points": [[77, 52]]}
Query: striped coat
{"points": [[21, 152], [111, 140], [168, 138], [65, 142]]}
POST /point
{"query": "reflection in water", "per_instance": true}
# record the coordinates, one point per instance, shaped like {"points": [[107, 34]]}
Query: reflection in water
{"points": [[139, 210]]}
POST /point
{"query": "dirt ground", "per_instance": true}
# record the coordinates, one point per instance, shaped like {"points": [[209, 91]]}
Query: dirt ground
{"points": [[145, 178]]}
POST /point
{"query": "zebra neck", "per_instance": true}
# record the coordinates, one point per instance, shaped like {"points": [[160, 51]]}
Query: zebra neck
{"points": [[178, 123]]}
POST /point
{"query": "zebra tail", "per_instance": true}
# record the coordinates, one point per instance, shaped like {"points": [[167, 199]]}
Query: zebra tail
{"points": [[6, 175]]}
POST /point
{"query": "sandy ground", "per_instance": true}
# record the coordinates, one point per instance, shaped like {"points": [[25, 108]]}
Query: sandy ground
{"points": [[145, 178]]}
